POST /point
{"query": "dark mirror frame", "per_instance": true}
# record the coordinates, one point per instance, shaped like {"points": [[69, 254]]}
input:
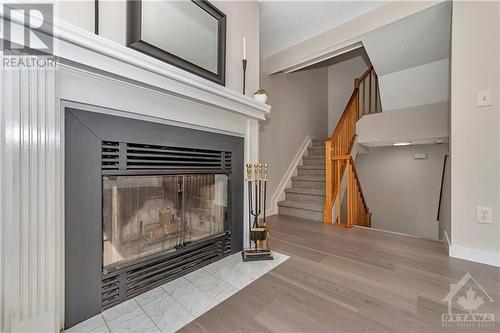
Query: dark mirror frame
{"points": [[134, 17]]}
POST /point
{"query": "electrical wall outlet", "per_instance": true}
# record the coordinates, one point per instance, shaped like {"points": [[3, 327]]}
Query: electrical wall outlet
{"points": [[483, 215]]}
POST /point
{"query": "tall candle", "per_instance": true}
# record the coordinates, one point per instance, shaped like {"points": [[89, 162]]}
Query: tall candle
{"points": [[244, 48]]}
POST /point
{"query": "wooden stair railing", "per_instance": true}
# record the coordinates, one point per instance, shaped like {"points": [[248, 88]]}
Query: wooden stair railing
{"points": [[357, 210], [372, 92], [343, 137], [340, 144]]}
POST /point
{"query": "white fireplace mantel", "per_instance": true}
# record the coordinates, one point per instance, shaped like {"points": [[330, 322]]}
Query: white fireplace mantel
{"points": [[97, 75], [81, 46]]}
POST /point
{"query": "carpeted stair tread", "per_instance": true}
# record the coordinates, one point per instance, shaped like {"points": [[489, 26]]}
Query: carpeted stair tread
{"points": [[310, 191], [309, 178], [301, 205], [311, 167]]}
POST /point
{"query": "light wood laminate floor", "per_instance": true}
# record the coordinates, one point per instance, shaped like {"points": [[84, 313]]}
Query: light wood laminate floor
{"points": [[349, 280]]}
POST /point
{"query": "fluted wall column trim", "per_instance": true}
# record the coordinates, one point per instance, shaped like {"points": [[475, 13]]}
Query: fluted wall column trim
{"points": [[31, 207]]}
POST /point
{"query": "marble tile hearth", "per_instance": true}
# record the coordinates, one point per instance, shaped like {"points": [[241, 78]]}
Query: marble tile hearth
{"points": [[176, 303]]}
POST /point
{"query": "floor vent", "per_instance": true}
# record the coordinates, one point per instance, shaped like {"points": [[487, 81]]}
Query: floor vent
{"points": [[111, 289]]}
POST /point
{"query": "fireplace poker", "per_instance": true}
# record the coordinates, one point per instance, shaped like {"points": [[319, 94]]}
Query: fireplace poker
{"points": [[257, 182], [264, 178]]}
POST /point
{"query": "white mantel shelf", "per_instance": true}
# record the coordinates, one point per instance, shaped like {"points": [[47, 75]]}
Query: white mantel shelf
{"points": [[169, 77], [81, 46]]}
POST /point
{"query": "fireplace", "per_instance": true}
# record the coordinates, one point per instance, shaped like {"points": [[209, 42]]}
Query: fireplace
{"points": [[58, 168], [145, 203], [147, 215]]}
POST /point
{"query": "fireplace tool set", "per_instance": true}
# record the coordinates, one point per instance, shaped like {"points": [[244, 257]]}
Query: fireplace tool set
{"points": [[257, 189]]}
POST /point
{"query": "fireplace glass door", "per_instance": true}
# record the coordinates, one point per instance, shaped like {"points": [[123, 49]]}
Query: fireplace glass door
{"points": [[147, 215]]}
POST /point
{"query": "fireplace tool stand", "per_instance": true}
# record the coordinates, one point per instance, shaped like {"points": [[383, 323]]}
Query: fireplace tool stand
{"points": [[259, 234]]}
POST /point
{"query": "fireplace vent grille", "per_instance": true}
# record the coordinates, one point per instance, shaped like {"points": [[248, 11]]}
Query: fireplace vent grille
{"points": [[110, 155], [111, 289], [134, 279], [142, 157], [227, 161]]}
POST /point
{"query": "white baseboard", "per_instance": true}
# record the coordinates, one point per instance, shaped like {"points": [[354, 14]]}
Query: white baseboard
{"points": [[41, 323], [272, 211], [286, 180], [397, 233], [481, 256], [446, 241]]}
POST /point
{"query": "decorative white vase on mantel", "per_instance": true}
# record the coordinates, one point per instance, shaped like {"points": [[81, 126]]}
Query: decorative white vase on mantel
{"points": [[260, 96]]}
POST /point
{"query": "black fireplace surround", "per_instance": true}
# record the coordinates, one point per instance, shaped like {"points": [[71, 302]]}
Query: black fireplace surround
{"points": [[145, 203]]}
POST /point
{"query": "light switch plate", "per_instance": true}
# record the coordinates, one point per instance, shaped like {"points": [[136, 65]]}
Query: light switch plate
{"points": [[420, 156], [483, 215], [484, 98]]}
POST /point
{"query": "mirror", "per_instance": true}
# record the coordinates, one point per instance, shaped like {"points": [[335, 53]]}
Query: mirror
{"points": [[187, 34]]}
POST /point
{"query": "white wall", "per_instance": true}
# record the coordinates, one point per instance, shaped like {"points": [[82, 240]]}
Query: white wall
{"points": [[418, 125], [78, 12], [341, 85], [242, 20], [300, 104], [475, 139], [113, 29], [403, 193], [425, 84]]}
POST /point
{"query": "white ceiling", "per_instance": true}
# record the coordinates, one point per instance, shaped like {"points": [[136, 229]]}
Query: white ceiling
{"points": [[285, 23], [416, 40]]}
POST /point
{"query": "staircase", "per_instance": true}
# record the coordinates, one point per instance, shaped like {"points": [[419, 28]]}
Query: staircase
{"points": [[341, 178], [328, 173], [306, 197]]}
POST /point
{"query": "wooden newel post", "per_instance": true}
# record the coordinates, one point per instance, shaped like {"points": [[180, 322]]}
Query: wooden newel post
{"points": [[339, 191], [327, 213], [350, 194]]}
